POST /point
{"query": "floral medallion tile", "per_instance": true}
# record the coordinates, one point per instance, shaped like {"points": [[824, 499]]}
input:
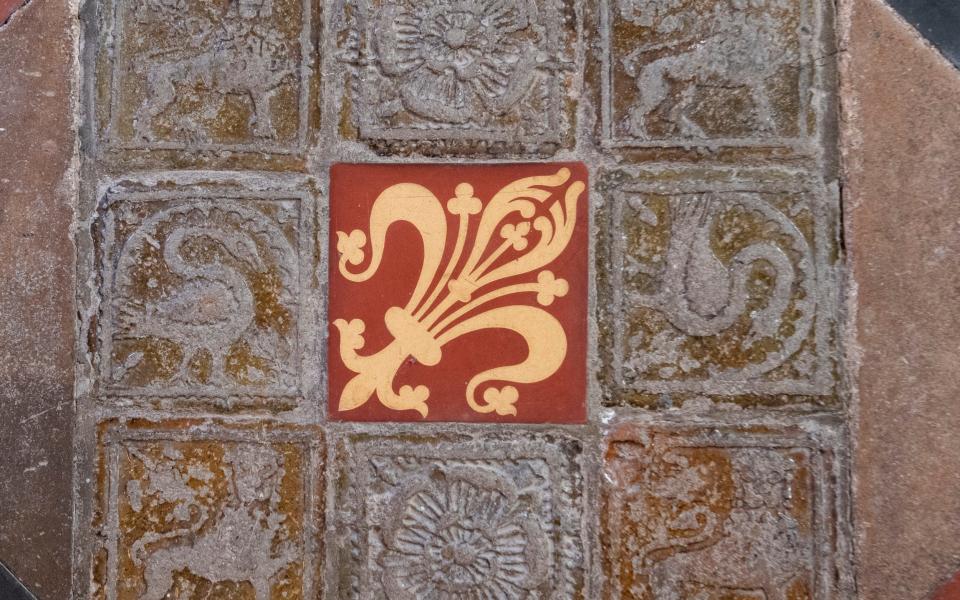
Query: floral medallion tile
{"points": [[195, 510], [709, 72], [460, 517], [447, 75], [718, 283], [208, 75], [725, 512], [201, 297], [458, 293]]}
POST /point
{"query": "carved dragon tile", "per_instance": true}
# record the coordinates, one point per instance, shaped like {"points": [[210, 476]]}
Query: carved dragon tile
{"points": [[709, 72], [721, 285]]}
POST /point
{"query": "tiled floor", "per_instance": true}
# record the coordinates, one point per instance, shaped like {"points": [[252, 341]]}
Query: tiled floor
{"points": [[396, 299]]}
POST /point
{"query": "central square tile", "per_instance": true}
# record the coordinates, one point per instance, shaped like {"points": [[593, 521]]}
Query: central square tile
{"points": [[458, 293]]}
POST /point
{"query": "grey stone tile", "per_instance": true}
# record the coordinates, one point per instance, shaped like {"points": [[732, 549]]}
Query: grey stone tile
{"points": [[459, 515], [718, 283]]}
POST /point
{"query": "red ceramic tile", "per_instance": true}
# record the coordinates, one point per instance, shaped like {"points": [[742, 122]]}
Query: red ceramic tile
{"points": [[7, 8], [458, 293], [950, 590]]}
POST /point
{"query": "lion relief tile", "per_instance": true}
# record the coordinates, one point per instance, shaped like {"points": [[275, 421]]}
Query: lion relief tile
{"points": [[434, 516], [707, 72], [194, 510], [458, 292], [199, 75]]}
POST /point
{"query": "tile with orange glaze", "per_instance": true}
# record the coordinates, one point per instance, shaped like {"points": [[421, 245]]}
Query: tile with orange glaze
{"points": [[458, 293]]}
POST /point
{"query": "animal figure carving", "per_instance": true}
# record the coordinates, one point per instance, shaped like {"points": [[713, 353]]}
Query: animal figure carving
{"points": [[213, 306], [236, 545], [232, 57], [703, 296], [742, 49], [759, 547]]}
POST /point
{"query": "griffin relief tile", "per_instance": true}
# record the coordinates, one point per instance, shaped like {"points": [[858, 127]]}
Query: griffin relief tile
{"points": [[459, 516], [744, 512], [458, 293], [717, 283], [198, 76], [193, 509], [438, 76], [202, 295], [706, 72]]}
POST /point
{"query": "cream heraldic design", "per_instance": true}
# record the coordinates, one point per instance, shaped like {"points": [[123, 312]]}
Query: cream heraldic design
{"points": [[453, 307]]}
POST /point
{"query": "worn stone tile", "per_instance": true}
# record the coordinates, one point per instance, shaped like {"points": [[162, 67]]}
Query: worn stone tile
{"points": [[714, 511], [459, 516], [736, 73], [443, 76], [717, 283], [902, 222], [192, 510], [203, 293], [199, 80], [37, 287], [493, 319]]}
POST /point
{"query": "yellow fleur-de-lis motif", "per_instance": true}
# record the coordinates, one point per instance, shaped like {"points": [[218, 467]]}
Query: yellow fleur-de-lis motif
{"points": [[453, 306]]}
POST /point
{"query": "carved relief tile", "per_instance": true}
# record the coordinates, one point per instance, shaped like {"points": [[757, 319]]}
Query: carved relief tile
{"points": [[723, 512], [713, 72], [201, 296], [460, 517], [208, 75], [717, 283], [193, 510], [458, 293], [484, 75]]}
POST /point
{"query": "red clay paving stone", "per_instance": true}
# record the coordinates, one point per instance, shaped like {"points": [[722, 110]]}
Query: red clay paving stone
{"points": [[488, 324], [8, 7], [950, 590]]}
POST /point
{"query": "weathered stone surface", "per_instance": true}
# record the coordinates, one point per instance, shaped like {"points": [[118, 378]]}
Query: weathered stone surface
{"points": [[205, 292], [208, 79], [707, 72], [902, 221], [441, 76], [488, 322], [37, 142], [721, 511], [199, 510], [717, 283], [459, 516]]}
